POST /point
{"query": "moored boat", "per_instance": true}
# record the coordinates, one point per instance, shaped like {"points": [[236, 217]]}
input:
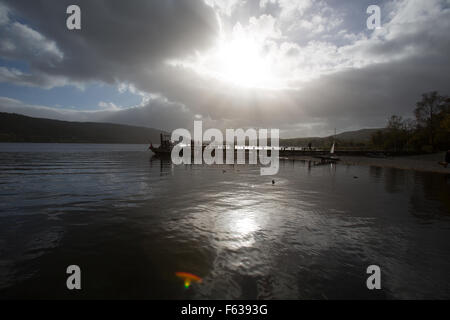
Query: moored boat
{"points": [[165, 147]]}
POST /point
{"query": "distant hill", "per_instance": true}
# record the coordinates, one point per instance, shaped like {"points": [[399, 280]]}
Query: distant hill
{"points": [[19, 128], [362, 136]]}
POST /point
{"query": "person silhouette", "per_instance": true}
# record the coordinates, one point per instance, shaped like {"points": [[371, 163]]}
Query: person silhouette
{"points": [[446, 161]]}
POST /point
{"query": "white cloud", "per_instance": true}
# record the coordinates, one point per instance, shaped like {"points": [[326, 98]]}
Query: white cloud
{"points": [[291, 9], [417, 28], [108, 106], [264, 27], [226, 7]]}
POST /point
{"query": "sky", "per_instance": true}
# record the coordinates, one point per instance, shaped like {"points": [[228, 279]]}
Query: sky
{"points": [[305, 67]]}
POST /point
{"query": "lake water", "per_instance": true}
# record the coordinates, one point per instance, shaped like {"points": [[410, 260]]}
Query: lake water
{"points": [[130, 222]]}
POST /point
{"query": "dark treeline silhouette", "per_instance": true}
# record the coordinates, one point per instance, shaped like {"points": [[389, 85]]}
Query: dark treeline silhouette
{"points": [[429, 131], [19, 128]]}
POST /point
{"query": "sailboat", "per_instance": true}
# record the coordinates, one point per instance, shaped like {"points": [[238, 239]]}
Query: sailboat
{"points": [[330, 157]]}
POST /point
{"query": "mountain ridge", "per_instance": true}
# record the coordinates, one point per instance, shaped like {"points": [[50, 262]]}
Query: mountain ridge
{"points": [[20, 128]]}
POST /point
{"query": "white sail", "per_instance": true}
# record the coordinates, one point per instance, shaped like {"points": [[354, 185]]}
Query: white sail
{"points": [[332, 149]]}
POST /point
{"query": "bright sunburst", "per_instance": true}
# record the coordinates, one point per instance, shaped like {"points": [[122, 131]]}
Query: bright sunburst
{"points": [[241, 62], [237, 59]]}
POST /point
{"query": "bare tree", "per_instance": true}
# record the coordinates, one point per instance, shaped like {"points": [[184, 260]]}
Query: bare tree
{"points": [[426, 113]]}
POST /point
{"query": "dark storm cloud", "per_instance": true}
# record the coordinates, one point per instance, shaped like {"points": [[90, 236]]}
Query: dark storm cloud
{"points": [[369, 96], [120, 41], [117, 37]]}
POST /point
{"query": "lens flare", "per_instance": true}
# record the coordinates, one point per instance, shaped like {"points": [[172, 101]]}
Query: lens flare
{"points": [[188, 278]]}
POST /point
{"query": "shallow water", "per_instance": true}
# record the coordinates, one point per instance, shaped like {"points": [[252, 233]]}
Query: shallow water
{"points": [[130, 222]]}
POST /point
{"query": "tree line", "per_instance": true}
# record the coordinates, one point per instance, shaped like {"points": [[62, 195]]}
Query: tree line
{"points": [[428, 131]]}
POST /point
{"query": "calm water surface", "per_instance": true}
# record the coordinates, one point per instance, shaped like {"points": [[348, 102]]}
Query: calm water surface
{"points": [[130, 222]]}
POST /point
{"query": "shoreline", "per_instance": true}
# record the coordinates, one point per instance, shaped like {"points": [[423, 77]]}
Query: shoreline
{"points": [[426, 163]]}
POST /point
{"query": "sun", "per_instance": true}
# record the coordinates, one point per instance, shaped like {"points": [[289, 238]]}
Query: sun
{"points": [[242, 62], [239, 59]]}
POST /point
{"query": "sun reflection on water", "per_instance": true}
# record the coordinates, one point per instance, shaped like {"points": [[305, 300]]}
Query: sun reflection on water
{"points": [[245, 226]]}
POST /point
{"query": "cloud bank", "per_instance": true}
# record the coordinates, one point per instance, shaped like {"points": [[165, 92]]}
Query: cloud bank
{"points": [[304, 66]]}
